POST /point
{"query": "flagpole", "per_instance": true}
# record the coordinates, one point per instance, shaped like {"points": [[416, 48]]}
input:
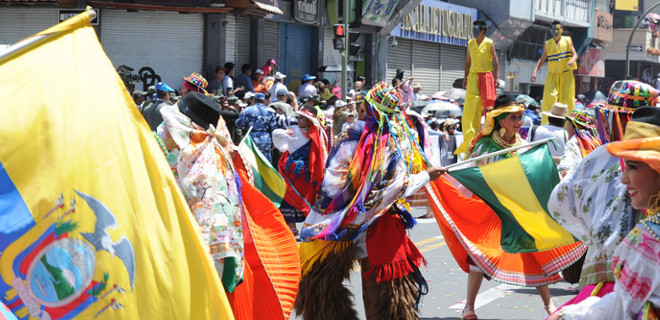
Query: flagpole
{"points": [[497, 153], [245, 136], [44, 36]]}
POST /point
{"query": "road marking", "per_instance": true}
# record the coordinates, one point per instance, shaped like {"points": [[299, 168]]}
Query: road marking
{"points": [[488, 296], [431, 247], [425, 241]]}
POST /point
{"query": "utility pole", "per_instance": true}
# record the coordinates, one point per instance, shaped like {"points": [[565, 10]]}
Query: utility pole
{"points": [[632, 33], [345, 53]]}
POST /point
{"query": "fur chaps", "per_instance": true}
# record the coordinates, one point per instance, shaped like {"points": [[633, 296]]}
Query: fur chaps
{"points": [[393, 299], [322, 294]]}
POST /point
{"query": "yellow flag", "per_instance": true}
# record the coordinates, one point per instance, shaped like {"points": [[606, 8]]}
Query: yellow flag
{"points": [[92, 223]]}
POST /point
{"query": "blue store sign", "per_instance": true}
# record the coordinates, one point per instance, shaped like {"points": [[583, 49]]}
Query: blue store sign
{"points": [[437, 21]]}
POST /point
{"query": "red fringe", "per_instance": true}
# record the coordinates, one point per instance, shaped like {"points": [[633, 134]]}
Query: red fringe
{"points": [[391, 253]]}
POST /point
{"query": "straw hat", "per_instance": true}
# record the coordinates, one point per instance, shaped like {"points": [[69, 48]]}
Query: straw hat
{"points": [[558, 110]]}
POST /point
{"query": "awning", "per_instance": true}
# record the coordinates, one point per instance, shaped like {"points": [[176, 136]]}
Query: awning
{"points": [[258, 8], [267, 7], [64, 3], [153, 7]]}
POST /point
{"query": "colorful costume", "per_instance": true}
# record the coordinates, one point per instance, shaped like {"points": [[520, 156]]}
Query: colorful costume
{"points": [[484, 241], [260, 273], [480, 94], [560, 82], [591, 202], [301, 164], [636, 261], [357, 215], [581, 143]]}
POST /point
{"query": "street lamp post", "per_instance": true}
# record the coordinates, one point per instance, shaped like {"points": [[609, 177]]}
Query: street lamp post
{"points": [[628, 75]]}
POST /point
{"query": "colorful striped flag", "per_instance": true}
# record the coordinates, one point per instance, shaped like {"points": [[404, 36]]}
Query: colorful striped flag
{"points": [[266, 178], [518, 189], [506, 230], [93, 223]]}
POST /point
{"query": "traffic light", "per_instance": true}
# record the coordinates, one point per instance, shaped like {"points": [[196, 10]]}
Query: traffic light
{"points": [[339, 30], [340, 37], [354, 48]]}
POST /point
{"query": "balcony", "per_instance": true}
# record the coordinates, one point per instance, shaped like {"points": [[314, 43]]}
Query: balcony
{"points": [[571, 13]]}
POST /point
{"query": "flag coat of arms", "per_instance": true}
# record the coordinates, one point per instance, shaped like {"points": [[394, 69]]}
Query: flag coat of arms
{"points": [[93, 223], [505, 229]]}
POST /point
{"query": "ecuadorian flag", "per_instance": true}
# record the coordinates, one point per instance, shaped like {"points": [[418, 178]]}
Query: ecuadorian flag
{"points": [[266, 178], [518, 189], [92, 222]]}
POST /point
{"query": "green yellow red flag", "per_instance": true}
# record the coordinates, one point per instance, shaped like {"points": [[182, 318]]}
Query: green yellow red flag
{"points": [[266, 178], [94, 224]]}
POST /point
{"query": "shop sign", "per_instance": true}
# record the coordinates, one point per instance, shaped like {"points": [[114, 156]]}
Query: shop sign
{"points": [[378, 12], [438, 22], [592, 63], [306, 11], [64, 14], [603, 26]]}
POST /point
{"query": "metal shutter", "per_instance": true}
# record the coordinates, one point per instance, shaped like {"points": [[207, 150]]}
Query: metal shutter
{"points": [[20, 23], [243, 37], [399, 58], [452, 64], [168, 42], [230, 43], [295, 52], [426, 66], [271, 42]]}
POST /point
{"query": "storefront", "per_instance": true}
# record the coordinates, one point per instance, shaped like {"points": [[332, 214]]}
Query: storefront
{"points": [[431, 45]]}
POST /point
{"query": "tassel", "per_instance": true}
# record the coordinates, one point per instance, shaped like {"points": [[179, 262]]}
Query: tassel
{"points": [[402, 210]]}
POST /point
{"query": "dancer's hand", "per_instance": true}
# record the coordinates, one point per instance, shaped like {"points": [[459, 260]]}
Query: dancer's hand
{"points": [[435, 172]]}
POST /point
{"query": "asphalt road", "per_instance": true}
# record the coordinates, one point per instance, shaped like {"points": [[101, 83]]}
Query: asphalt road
{"points": [[447, 286]]}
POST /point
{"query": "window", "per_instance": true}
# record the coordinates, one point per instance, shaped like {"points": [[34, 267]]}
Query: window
{"points": [[529, 46]]}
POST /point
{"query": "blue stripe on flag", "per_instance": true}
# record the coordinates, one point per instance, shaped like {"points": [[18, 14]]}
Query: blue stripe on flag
{"points": [[14, 213]]}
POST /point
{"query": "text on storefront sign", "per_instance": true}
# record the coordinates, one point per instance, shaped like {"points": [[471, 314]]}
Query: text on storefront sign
{"points": [[437, 21]]}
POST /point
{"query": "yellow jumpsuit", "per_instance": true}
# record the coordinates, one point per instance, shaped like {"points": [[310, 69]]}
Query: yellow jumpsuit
{"points": [[560, 82], [481, 61]]}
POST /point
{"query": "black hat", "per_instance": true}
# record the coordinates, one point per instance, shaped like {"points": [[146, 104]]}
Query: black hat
{"points": [[201, 109], [504, 100], [650, 115]]}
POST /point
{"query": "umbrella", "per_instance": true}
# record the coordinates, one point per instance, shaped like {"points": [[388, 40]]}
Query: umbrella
{"points": [[418, 105], [335, 68], [595, 96], [442, 109], [527, 100], [454, 94]]}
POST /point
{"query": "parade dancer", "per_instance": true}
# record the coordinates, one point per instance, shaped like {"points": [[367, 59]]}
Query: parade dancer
{"points": [[591, 202], [481, 72], [501, 131], [359, 215], [636, 260], [560, 82], [213, 177], [304, 153]]}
